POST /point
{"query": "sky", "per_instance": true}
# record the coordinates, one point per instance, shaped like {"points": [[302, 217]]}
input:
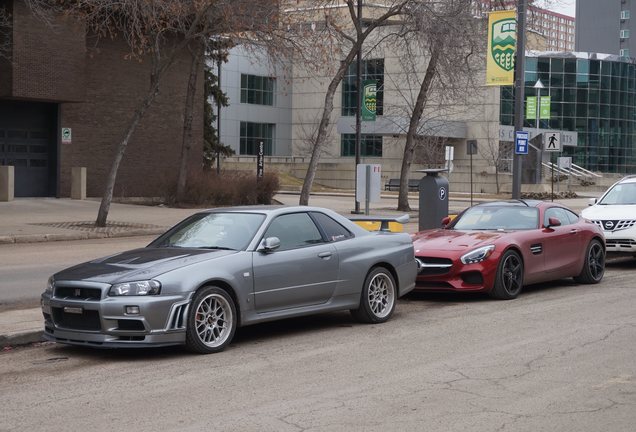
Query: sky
{"points": [[566, 7]]}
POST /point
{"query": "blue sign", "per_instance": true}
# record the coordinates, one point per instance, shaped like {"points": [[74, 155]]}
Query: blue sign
{"points": [[521, 142]]}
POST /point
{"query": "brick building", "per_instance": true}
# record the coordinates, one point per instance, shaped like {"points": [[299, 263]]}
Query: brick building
{"points": [[58, 77]]}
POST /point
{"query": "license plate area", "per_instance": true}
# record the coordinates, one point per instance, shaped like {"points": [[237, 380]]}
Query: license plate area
{"points": [[85, 320]]}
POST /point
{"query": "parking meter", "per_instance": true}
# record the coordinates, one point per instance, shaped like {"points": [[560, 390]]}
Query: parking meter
{"points": [[433, 199]]}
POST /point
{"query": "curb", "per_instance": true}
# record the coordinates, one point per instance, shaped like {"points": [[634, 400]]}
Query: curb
{"points": [[38, 238], [21, 338]]}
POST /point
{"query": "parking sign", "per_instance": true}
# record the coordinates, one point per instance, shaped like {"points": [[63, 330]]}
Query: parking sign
{"points": [[521, 142]]}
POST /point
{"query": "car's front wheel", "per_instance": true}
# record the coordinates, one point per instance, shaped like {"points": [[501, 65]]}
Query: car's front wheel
{"points": [[212, 321], [509, 280], [377, 300], [594, 265]]}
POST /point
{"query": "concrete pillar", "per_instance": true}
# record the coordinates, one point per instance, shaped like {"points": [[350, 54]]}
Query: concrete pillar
{"points": [[7, 183], [78, 183]]}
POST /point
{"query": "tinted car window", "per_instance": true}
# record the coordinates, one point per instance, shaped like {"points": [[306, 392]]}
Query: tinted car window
{"points": [[294, 231], [574, 218], [559, 213], [333, 230]]}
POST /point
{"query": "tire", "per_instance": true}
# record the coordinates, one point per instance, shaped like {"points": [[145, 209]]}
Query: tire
{"points": [[509, 279], [377, 300], [594, 265], [212, 321]]}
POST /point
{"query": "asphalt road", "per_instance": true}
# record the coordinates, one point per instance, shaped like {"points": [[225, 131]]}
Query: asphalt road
{"points": [[25, 268], [559, 358]]}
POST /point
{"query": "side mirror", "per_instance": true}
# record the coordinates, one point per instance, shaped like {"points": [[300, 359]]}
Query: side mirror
{"points": [[446, 221], [592, 201], [553, 222], [270, 244]]}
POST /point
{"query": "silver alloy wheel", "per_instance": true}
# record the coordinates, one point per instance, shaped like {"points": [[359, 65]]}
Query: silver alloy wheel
{"points": [[381, 295], [213, 320]]}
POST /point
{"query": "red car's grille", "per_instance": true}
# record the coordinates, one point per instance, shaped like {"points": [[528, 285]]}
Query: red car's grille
{"points": [[432, 266]]}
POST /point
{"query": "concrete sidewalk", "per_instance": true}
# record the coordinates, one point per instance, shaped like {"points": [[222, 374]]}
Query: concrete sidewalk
{"points": [[50, 219]]}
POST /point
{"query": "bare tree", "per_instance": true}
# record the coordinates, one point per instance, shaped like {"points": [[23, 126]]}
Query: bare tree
{"points": [[491, 152], [446, 36], [346, 34]]}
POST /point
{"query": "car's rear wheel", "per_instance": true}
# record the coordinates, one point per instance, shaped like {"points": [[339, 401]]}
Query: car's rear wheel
{"points": [[509, 279], [212, 321], [594, 265], [377, 300]]}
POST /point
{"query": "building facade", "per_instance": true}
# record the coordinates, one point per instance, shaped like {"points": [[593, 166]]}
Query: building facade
{"points": [[606, 27], [593, 95], [56, 78], [558, 29]]}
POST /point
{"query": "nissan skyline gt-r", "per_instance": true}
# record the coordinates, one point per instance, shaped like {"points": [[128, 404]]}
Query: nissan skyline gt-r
{"points": [[499, 247], [225, 268]]}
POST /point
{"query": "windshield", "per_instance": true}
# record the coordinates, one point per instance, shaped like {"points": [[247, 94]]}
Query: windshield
{"points": [[498, 218], [624, 193], [213, 231]]}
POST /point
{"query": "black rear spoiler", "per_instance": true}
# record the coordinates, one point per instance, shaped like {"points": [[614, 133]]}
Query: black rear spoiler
{"points": [[384, 220]]}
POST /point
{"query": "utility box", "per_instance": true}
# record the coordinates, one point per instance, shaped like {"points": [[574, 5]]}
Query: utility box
{"points": [[433, 199]]}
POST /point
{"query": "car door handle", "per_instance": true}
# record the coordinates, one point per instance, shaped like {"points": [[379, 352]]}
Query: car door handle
{"points": [[574, 231], [325, 255]]}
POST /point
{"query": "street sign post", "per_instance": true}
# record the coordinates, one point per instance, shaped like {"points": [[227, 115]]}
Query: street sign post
{"points": [[66, 135], [521, 142], [552, 141]]}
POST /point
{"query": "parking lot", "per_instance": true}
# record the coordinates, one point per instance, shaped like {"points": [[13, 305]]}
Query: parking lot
{"points": [[559, 358]]}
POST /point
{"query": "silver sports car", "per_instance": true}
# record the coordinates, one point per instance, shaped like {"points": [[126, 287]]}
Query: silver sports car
{"points": [[225, 268]]}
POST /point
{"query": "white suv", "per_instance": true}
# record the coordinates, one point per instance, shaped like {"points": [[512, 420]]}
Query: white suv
{"points": [[615, 213]]}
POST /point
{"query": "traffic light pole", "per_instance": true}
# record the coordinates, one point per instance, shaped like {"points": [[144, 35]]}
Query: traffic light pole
{"points": [[520, 60]]}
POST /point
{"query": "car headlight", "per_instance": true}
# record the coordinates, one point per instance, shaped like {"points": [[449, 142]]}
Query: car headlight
{"points": [[139, 288], [477, 255], [50, 285]]}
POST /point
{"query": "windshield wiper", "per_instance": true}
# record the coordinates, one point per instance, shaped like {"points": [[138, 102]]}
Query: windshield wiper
{"points": [[215, 247]]}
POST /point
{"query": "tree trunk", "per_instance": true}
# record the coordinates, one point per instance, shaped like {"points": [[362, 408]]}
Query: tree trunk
{"points": [[197, 58], [104, 207], [409, 148], [321, 136]]}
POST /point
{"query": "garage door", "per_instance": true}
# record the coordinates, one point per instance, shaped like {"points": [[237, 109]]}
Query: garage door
{"points": [[28, 142]]}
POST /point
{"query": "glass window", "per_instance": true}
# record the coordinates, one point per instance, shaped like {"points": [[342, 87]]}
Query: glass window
{"points": [[624, 34], [370, 145], [333, 230], [251, 134], [371, 69], [212, 231], [258, 90], [556, 212], [294, 231], [570, 66]]}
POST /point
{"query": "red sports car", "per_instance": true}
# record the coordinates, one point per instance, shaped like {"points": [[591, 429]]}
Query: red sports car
{"points": [[498, 247]]}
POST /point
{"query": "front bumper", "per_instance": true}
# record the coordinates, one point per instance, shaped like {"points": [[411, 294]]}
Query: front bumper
{"points": [[459, 277], [620, 242], [103, 322]]}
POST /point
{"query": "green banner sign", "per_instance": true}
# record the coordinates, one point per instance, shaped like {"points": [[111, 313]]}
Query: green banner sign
{"points": [[531, 107], [369, 100], [544, 110]]}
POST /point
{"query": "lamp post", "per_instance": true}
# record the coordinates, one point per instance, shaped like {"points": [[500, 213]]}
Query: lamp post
{"points": [[520, 57], [358, 113], [539, 85]]}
